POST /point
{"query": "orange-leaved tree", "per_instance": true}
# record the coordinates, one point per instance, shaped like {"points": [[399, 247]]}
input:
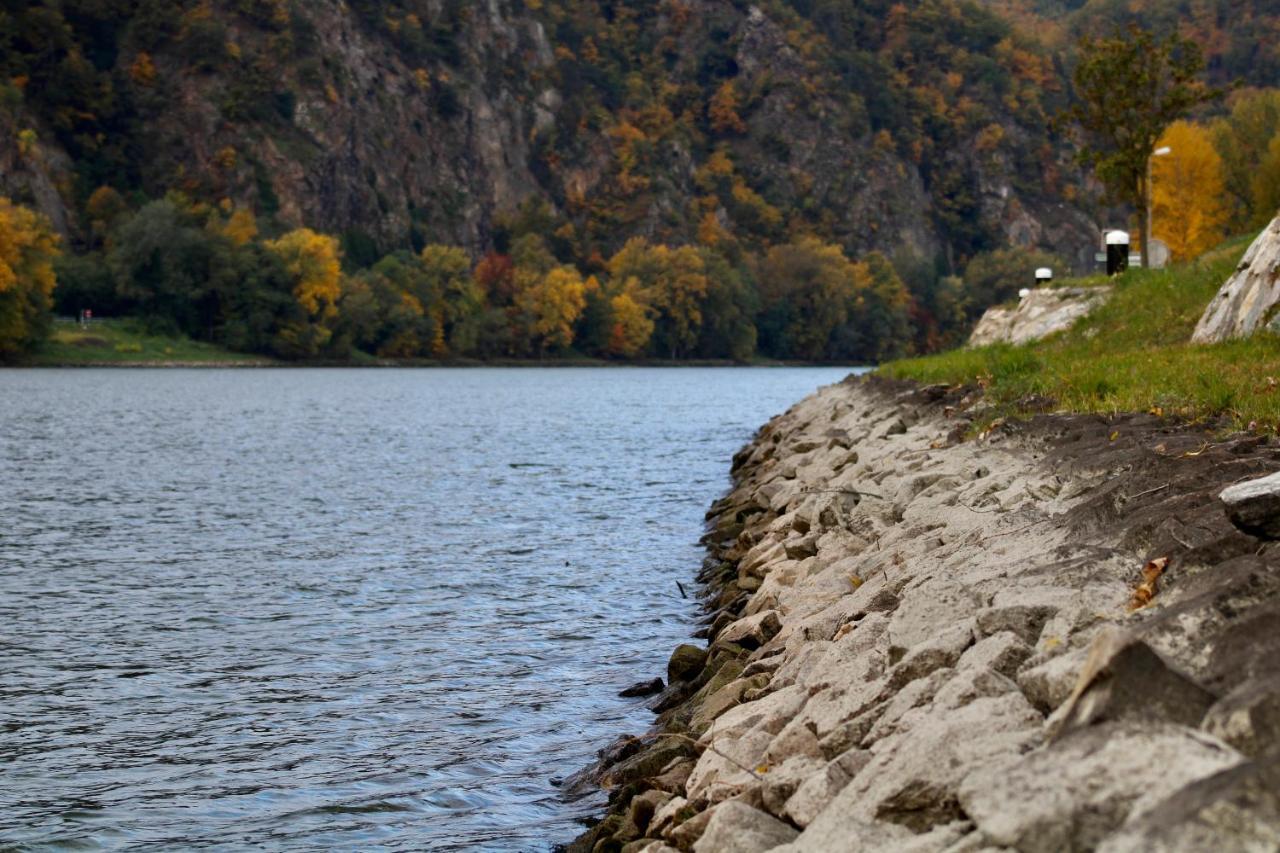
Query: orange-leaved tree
{"points": [[1188, 191], [28, 248]]}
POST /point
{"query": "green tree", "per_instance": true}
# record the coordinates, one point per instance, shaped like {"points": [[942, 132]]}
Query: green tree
{"points": [[1129, 88]]}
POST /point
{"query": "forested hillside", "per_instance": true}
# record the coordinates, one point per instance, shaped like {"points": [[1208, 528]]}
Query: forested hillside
{"points": [[900, 142]]}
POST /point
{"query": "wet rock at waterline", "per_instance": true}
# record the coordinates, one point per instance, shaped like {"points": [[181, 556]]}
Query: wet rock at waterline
{"points": [[958, 657]]}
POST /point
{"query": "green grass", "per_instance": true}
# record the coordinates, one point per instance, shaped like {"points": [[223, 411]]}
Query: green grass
{"points": [[123, 342], [1132, 354]]}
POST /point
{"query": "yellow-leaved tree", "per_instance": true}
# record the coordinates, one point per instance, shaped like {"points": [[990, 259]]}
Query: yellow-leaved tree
{"points": [[632, 326], [1187, 191], [552, 305], [312, 262], [241, 227], [28, 248]]}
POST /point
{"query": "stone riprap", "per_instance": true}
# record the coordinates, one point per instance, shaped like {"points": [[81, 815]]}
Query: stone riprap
{"points": [[1246, 303], [921, 640], [1037, 315]]}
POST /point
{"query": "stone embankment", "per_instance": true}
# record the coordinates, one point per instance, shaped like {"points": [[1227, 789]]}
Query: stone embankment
{"points": [[1049, 636]]}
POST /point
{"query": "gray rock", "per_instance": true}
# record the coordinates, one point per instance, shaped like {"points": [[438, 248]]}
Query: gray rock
{"points": [[799, 548], [1124, 679], [1248, 717], [1026, 621], [1237, 809], [752, 632], [735, 827], [1244, 304], [643, 688], [1039, 314], [1254, 506], [1075, 792]]}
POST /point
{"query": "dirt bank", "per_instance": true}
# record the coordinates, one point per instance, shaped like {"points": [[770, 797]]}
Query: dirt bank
{"points": [[1047, 637]]}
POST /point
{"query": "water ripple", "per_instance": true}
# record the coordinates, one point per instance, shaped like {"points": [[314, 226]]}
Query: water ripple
{"points": [[317, 609]]}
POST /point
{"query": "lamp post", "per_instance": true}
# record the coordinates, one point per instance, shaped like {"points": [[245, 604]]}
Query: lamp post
{"points": [[1146, 237]]}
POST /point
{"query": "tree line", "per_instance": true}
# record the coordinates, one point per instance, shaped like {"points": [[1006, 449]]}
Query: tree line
{"points": [[206, 271]]}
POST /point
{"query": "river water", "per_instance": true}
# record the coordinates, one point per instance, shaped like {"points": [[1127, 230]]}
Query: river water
{"points": [[319, 609]]}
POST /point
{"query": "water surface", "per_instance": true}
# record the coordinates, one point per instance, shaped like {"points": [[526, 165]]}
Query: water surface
{"points": [[316, 609]]}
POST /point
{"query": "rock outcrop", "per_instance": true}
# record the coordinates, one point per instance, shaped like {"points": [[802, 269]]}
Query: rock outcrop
{"points": [[921, 642], [412, 122], [1037, 315], [1247, 302]]}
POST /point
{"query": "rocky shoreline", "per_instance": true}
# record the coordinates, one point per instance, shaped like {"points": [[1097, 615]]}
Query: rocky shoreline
{"points": [[1049, 636]]}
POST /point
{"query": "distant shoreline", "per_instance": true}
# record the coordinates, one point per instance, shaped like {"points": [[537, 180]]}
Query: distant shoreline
{"points": [[411, 363]]}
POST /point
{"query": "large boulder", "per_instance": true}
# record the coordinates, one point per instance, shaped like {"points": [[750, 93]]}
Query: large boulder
{"points": [[1038, 314], [1244, 304]]}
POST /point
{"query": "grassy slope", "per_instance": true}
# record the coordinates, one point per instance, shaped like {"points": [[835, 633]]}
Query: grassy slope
{"points": [[1133, 354], [120, 342]]}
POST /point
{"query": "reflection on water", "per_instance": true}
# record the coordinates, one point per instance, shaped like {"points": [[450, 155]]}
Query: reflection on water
{"points": [[338, 608]]}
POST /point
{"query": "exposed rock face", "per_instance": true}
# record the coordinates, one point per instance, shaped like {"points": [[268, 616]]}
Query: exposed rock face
{"points": [[1037, 315], [951, 663], [1254, 506], [1246, 303], [442, 148]]}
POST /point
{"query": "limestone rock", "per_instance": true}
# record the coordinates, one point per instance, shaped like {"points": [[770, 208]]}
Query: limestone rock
{"points": [[1072, 794], [737, 828], [1245, 302], [1237, 809], [1248, 717], [1254, 506], [1037, 315], [753, 631], [1124, 679]]}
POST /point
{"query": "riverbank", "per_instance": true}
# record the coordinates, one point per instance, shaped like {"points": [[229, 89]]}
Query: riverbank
{"points": [[1048, 636], [1131, 354], [121, 343]]}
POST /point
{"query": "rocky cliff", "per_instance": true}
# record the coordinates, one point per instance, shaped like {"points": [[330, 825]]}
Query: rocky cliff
{"points": [[1049, 637], [423, 120]]}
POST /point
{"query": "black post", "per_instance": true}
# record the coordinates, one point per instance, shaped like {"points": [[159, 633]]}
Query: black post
{"points": [[1117, 252]]}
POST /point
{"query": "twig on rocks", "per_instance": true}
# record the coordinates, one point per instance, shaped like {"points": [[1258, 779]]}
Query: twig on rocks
{"points": [[1009, 532], [1147, 492], [1176, 538], [857, 492], [711, 748]]}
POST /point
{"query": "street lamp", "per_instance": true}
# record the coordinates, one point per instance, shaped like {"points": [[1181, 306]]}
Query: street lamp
{"points": [[1146, 238]]}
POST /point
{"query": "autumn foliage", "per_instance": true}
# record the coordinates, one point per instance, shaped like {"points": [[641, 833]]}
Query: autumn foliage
{"points": [[28, 249]]}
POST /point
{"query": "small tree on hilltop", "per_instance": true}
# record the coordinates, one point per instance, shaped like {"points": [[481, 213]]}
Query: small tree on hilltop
{"points": [[1129, 88]]}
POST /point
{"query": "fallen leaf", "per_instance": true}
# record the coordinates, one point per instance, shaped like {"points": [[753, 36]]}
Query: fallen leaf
{"points": [[855, 581], [1115, 435], [1157, 411], [1159, 448], [1197, 452], [1150, 585]]}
